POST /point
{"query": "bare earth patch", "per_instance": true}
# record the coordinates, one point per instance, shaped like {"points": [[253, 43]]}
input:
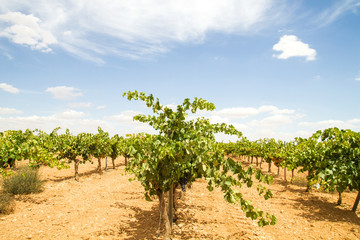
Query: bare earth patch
{"points": [[108, 206]]}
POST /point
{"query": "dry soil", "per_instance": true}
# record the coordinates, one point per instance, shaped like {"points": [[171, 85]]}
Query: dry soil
{"points": [[108, 206]]}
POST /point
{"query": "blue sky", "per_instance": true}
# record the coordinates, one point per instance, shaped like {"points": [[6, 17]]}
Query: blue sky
{"points": [[279, 69]]}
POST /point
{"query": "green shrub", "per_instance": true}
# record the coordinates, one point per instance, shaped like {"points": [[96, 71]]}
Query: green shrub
{"points": [[25, 181], [7, 203]]}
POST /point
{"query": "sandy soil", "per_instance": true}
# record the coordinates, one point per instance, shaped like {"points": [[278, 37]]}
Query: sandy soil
{"points": [[108, 206]]}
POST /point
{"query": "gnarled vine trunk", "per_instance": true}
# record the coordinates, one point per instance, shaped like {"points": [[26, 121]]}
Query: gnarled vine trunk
{"points": [[269, 167], [292, 175], [113, 162], [339, 201], [308, 187], [98, 169], [76, 167], [164, 215], [356, 203]]}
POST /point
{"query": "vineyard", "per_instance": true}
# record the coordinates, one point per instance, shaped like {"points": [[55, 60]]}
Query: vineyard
{"points": [[183, 173]]}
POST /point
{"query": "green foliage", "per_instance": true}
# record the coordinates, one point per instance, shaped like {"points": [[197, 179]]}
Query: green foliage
{"points": [[341, 165], [115, 146], [100, 144], [75, 149], [25, 181], [72, 147], [41, 149], [7, 203], [187, 149], [11, 146]]}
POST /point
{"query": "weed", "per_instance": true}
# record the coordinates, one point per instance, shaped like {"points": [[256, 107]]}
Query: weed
{"points": [[25, 181]]}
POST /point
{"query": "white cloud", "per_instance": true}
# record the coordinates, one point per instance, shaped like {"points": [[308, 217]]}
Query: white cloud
{"points": [[217, 119], [338, 9], [355, 121], [291, 46], [275, 110], [64, 93], [25, 30], [125, 121], [5, 52], [9, 88], [322, 124], [172, 106], [69, 114], [245, 112], [353, 124], [101, 107], [9, 57], [9, 111], [79, 105], [237, 112], [134, 28], [240, 127], [124, 117], [48, 123], [304, 133], [272, 121], [357, 79]]}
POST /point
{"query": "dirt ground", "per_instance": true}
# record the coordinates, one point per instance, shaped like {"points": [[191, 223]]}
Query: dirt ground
{"points": [[108, 206]]}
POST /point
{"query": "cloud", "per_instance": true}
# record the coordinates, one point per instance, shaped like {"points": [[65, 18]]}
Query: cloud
{"points": [[355, 121], [131, 29], [64, 93], [171, 106], [25, 30], [337, 10], [240, 127], [5, 53], [217, 119], [9, 111], [357, 79], [48, 123], [79, 105], [245, 112], [275, 110], [237, 112], [9, 88], [291, 46], [125, 121], [353, 124], [124, 117], [70, 114], [272, 121], [322, 124], [9, 56]]}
